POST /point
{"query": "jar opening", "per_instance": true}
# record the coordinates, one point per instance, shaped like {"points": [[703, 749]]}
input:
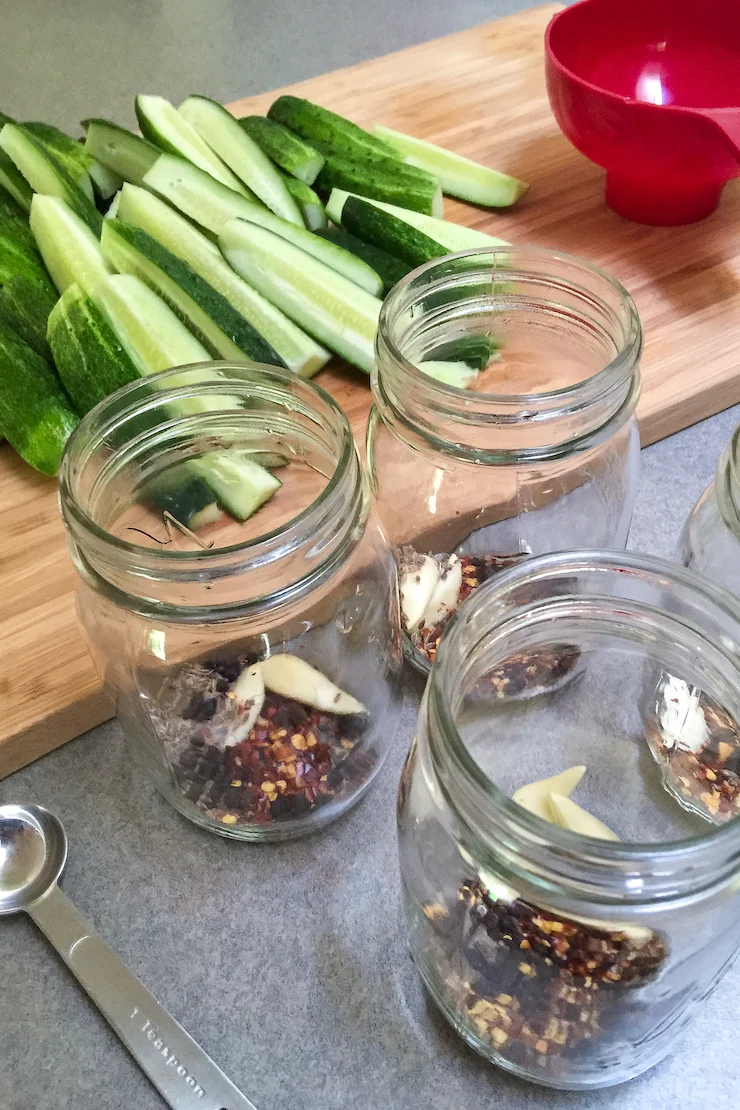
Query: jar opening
{"points": [[563, 339], [622, 664], [205, 472]]}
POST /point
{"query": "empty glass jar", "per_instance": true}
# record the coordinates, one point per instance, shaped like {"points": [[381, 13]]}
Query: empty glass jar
{"points": [[539, 454], [571, 939], [710, 541], [254, 654]]}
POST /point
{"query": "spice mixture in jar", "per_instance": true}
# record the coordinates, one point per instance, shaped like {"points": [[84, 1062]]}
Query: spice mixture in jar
{"points": [[433, 587], [255, 742], [533, 982], [697, 746]]}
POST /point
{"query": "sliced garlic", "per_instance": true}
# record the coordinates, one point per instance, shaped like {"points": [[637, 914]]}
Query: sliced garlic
{"points": [[445, 594], [417, 584], [571, 816], [247, 691], [295, 678], [535, 795]]}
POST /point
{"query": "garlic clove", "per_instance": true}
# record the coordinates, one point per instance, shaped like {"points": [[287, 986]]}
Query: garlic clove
{"points": [[417, 584], [445, 594], [295, 678], [535, 795], [571, 816], [249, 692]]}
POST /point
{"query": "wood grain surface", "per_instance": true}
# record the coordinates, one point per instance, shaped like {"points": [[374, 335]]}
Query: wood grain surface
{"points": [[480, 92]]}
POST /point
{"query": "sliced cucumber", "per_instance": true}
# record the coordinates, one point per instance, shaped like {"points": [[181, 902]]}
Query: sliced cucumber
{"points": [[458, 374], [453, 236], [25, 304], [299, 352], [220, 130], [310, 204], [336, 257], [240, 484], [87, 353], [112, 211], [68, 247], [195, 193], [68, 152], [335, 133], [163, 125], [152, 336], [45, 174], [459, 177], [384, 179], [476, 350], [106, 182], [391, 269], [210, 317], [13, 181], [35, 414], [329, 306], [389, 233], [185, 496], [296, 157], [124, 153], [156, 340]]}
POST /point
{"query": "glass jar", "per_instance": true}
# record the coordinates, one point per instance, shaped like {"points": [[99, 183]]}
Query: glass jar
{"points": [[254, 663], [710, 541], [540, 454], [571, 960]]}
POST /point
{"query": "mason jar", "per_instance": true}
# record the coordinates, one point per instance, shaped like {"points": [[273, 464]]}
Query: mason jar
{"points": [[539, 454], [569, 907], [710, 541], [253, 654]]}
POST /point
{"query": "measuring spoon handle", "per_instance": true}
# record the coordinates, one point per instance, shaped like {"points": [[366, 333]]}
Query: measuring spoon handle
{"points": [[182, 1072]]}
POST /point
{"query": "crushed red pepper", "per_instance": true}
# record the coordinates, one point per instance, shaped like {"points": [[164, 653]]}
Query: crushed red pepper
{"points": [[531, 982], [294, 759], [709, 779]]}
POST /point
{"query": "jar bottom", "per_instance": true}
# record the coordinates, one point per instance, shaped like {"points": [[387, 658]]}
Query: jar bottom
{"points": [[441, 995], [272, 833]]}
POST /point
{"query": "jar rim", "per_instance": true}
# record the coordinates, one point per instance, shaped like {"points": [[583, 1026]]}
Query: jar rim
{"points": [[627, 355], [491, 801], [100, 420]]}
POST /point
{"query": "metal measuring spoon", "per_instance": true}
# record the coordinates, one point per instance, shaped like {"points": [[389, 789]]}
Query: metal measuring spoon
{"points": [[33, 852]]}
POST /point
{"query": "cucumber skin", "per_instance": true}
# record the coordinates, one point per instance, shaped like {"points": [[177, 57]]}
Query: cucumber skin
{"points": [[389, 233], [14, 183], [90, 361], [474, 350], [319, 125], [35, 413], [297, 158], [309, 203], [390, 268], [25, 304], [381, 180], [240, 331]]}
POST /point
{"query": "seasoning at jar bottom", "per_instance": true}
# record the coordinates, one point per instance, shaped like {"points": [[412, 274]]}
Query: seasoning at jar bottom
{"points": [[567, 910], [239, 595], [539, 454]]}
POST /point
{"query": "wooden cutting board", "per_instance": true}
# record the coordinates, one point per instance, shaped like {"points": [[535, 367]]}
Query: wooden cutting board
{"points": [[480, 92]]}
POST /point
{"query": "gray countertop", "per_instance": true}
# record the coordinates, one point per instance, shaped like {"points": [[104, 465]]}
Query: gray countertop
{"points": [[288, 963]]}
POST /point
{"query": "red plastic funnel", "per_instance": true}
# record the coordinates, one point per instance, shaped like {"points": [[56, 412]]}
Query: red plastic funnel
{"points": [[650, 90]]}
